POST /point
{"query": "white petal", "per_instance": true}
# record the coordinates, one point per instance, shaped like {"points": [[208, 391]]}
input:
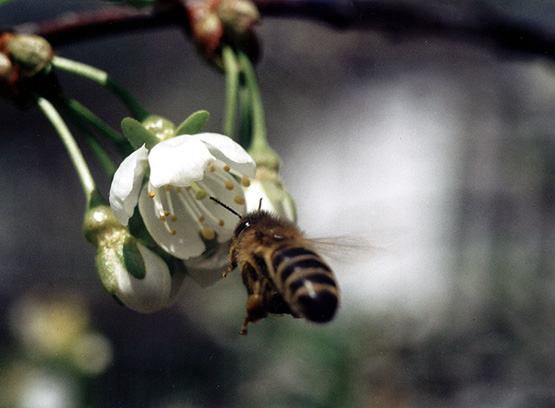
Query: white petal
{"points": [[231, 197], [254, 193], [178, 161], [207, 271], [186, 241], [226, 150], [126, 185], [149, 294]]}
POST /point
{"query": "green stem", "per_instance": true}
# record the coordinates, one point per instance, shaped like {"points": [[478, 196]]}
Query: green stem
{"points": [[81, 123], [232, 85], [257, 109], [245, 128], [103, 79], [259, 148], [84, 113], [104, 159], [73, 150]]}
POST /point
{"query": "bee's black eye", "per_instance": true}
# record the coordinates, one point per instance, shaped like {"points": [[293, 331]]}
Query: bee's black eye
{"points": [[241, 227]]}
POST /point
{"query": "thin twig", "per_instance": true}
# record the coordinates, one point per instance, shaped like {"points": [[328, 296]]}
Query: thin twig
{"points": [[401, 19]]}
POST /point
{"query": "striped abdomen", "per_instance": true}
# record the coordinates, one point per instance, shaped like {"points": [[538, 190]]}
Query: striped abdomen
{"points": [[306, 283]]}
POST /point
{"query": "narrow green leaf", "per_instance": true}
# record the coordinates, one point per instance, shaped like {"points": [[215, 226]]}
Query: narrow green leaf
{"points": [[137, 134], [193, 124]]}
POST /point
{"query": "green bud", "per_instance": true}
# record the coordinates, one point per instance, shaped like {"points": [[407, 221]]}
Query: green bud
{"points": [[30, 52], [238, 16], [161, 127]]}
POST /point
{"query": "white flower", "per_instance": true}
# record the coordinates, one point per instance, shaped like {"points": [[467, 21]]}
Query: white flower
{"points": [[184, 172]]}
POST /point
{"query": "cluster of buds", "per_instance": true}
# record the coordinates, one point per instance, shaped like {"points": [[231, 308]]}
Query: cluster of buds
{"points": [[23, 59], [218, 22]]}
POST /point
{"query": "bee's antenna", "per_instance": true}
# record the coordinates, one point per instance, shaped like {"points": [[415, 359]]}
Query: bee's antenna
{"points": [[226, 207], [260, 205]]}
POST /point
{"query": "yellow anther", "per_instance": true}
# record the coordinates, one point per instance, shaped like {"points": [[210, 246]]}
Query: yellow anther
{"points": [[174, 218], [208, 233], [188, 188], [166, 213], [201, 218], [173, 232], [239, 200], [168, 188], [178, 189], [245, 181], [221, 223], [151, 194], [228, 185], [227, 168], [162, 217], [212, 168], [201, 194]]}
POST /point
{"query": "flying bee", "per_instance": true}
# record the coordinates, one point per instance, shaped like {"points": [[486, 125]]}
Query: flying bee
{"points": [[280, 269]]}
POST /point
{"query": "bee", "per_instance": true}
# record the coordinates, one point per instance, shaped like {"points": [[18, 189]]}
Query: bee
{"points": [[281, 270]]}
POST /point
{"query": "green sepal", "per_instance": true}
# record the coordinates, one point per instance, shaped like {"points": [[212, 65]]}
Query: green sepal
{"points": [[137, 134], [133, 260], [193, 124]]}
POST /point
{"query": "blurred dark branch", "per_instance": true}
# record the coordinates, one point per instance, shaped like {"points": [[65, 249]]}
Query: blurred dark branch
{"points": [[483, 26], [71, 27]]}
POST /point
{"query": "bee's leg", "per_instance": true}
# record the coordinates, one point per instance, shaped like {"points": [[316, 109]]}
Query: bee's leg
{"points": [[232, 264], [255, 311], [256, 307]]}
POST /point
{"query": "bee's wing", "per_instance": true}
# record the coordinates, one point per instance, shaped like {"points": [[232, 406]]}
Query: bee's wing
{"points": [[345, 248]]}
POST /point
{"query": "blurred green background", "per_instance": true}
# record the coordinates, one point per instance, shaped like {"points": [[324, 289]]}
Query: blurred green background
{"points": [[439, 155]]}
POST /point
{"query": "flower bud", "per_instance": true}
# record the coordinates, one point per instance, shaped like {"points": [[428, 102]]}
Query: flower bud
{"points": [[215, 23], [206, 28], [268, 186], [161, 127], [132, 273], [25, 68], [30, 52], [238, 16]]}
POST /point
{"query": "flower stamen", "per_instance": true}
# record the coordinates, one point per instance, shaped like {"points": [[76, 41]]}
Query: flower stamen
{"points": [[161, 211], [208, 233]]}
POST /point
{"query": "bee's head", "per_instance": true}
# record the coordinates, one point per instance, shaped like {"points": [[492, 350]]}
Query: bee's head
{"points": [[247, 220]]}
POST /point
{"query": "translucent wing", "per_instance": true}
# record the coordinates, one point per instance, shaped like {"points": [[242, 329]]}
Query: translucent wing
{"points": [[345, 248]]}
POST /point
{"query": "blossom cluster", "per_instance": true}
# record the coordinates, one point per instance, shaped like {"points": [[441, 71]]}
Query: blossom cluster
{"points": [[169, 179]]}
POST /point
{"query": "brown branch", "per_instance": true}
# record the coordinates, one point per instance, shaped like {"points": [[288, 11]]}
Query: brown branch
{"points": [[70, 28], [399, 19]]}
